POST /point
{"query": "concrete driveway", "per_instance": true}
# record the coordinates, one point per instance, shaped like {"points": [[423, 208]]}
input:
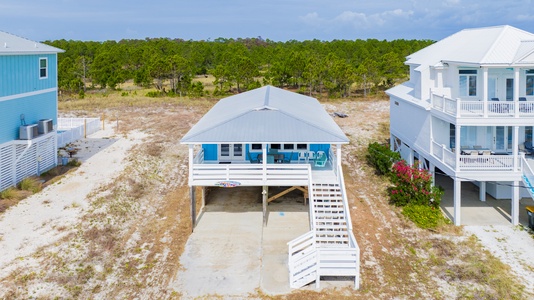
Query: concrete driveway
{"points": [[230, 254]]}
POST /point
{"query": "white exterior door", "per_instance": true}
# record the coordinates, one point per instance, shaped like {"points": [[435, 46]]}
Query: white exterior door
{"points": [[231, 152], [499, 138]]}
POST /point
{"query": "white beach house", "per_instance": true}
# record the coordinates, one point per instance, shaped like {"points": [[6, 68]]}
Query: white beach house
{"points": [[272, 137], [468, 110]]}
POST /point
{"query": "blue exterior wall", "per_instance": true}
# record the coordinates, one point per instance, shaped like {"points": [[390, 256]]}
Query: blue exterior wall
{"points": [[20, 74], [34, 108], [210, 151]]}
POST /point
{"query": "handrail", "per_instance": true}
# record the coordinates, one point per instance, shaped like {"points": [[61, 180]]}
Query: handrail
{"points": [[341, 181], [311, 202], [528, 175]]}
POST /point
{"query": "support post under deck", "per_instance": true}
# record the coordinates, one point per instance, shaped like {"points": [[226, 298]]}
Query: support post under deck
{"points": [[265, 194], [193, 208]]}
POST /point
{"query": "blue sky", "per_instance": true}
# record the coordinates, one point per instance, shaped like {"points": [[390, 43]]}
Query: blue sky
{"points": [[278, 20]]}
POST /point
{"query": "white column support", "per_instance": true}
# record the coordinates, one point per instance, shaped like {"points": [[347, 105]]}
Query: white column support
{"points": [[515, 203], [432, 169], [391, 142], [482, 191], [515, 146], [338, 154], [264, 161], [516, 91], [191, 158], [457, 201], [457, 145], [203, 197], [485, 91]]}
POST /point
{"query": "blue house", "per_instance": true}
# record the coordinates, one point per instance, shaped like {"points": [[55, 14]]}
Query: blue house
{"points": [[28, 108], [273, 137]]}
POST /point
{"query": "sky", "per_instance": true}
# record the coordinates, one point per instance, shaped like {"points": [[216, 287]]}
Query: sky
{"points": [[277, 20]]}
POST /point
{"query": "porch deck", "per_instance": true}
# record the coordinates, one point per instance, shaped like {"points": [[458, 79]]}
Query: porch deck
{"points": [[481, 109], [209, 173]]}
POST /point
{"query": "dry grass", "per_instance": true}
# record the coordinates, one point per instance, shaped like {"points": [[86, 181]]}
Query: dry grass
{"points": [[129, 242]]}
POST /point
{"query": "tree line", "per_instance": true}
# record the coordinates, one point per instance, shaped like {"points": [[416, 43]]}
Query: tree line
{"points": [[237, 65]]}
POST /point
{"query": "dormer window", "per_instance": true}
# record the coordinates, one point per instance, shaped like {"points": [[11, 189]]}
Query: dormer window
{"points": [[468, 82]]}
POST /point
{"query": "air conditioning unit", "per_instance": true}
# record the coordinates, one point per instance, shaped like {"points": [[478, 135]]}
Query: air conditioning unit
{"points": [[45, 126], [28, 132]]}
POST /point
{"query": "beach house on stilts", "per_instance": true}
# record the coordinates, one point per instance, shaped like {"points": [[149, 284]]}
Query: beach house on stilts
{"points": [[468, 110], [273, 137]]}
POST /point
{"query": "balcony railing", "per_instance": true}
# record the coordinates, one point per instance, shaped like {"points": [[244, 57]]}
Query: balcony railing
{"points": [[468, 108], [474, 162]]}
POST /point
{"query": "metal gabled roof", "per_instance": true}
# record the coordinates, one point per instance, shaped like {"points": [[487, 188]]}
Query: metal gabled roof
{"points": [[498, 45], [266, 115], [12, 44]]}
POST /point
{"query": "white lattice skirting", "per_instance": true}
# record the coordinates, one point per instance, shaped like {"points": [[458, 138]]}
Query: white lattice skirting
{"points": [[20, 159]]}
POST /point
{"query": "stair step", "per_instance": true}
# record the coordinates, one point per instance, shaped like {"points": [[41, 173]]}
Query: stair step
{"points": [[330, 227], [332, 216]]}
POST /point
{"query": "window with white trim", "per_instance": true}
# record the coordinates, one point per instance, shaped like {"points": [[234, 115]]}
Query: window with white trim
{"points": [[468, 82], [530, 83], [43, 68]]}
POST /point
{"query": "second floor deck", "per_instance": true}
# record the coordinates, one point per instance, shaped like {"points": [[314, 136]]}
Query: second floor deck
{"points": [[459, 108]]}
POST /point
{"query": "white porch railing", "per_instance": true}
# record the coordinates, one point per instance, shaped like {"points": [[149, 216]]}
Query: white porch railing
{"points": [[469, 108], [473, 162], [250, 174]]}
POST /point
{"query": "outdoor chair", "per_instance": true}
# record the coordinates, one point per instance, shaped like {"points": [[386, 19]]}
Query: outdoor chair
{"points": [[528, 146], [303, 155], [524, 150], [321, 160], [288, 159], [270, 159], [311, 155], [253, 161]]}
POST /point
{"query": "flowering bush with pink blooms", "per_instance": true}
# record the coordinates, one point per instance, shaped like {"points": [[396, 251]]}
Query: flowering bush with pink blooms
{"points": [[413, 186], [414, 191]]}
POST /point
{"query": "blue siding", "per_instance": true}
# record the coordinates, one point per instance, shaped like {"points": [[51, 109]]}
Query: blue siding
{"points": [[20, 74], [34, 108], [210, 151]]}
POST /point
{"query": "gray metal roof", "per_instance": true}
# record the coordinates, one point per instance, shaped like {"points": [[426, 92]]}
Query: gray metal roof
{"points": [[266, 115], [12, 44], [498, 45]]}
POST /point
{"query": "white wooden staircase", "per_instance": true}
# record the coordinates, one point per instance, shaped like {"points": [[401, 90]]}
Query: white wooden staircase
{"points": [[528, 175], [329, 248]]}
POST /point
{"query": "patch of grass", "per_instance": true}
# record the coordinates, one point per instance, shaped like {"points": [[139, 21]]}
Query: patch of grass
{"points": [[74, 163], [31, 184], [9, 193], [424, 216]]}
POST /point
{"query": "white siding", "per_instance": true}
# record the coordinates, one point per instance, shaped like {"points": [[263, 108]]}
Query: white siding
{"points": [[410, 123]]}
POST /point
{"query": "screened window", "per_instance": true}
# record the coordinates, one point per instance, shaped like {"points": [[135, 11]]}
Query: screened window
{"points": [[257, 147], [468, 82], [276, 146], [43, 68], [289, 146]]}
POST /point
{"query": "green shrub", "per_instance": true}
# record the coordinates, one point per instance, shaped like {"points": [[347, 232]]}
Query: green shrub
{"points": [[424, 216], [74, 163], [9, 193], [381, 158], [31, 184], [153, 94]]}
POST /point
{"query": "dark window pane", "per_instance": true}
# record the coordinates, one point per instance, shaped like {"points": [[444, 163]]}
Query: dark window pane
{"points": [[302, 146], [275, 146], [289, 146]]}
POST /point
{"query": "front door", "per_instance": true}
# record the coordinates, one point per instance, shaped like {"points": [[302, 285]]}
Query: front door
{"points": [[231, 152]]}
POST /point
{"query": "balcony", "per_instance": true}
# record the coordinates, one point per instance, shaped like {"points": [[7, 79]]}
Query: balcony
{"points": [[467, 162], [482, 109]]}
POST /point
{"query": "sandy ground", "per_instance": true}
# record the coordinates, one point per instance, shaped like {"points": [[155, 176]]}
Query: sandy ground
{"points": [[46, 217], [151, 234]]}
